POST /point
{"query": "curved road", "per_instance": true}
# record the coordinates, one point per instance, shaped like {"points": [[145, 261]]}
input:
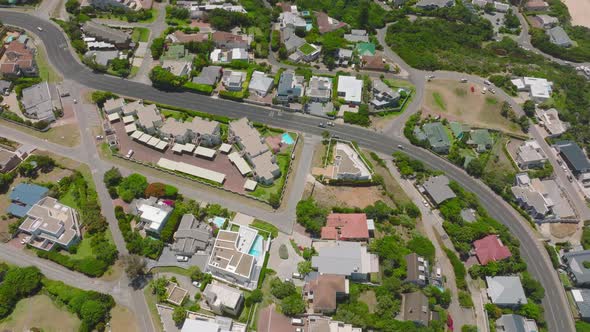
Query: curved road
{"points": [[555, 303]]}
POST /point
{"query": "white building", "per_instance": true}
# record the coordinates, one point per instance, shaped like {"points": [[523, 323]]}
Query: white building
{"points": [[350, 88], [539, 88], [530, 155], [153, 213], [260, 84], [223, 299], [348, 163]]}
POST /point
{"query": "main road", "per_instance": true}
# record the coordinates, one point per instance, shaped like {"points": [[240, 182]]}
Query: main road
{"points": [[557, 312]]}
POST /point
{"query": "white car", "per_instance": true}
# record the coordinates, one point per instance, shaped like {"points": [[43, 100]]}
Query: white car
{"points": [[182, 258], [40, 28], [463, 80], [99, 137], [197, 284]]}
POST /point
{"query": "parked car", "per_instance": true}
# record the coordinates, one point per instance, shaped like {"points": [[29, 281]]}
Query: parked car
{"points": [[40, 28], [438, 272], [129, 154], [299, 329], [297, 275], [463, 80], [197, 284], [486, 82], [99, 137], [182, 258], [297, 321], [330, 123], [322, 125], [399, 146]]}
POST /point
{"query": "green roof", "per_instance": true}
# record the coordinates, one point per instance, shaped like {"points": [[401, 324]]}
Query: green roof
{"points": [[458, 128], [481, 138], [365, 49], [437, 135], [174, 52], [307, 49]]}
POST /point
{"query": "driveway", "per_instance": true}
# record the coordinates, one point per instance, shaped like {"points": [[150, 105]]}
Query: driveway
{"points": [[284, 267], [168, 258]]}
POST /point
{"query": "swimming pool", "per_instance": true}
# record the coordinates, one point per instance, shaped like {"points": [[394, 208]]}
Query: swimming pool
{"points": [[256, 249], [219, 221], [287, 139]]}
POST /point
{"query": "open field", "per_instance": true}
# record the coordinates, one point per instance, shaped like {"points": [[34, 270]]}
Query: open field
{"points": [[67, 135], [140, 34], [122, 319], [344, 196], [579, 10], [455, 101], [39, 311]]}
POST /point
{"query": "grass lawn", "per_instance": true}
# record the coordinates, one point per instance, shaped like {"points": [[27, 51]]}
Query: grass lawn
{"points": [[68, 135], [41, 312], [140, 35], [256, 31], [134, 71], [124, 18], [69, 199], [264, 192], [122, 319], [438, 99], [171, 269], [46, 71], [151, 301], [370, 299], [307, 49]]}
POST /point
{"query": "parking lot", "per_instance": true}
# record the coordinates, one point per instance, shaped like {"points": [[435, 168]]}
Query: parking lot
{"points": [[234, 181]]}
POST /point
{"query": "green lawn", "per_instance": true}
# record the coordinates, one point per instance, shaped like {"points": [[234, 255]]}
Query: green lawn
{"points": [[171, 269], [140, 35], [264, 192], [46, 71], [40, 311], [69, 199], [307, 49], [438, 99]]}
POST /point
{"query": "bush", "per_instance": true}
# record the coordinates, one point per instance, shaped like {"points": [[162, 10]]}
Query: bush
{"points": [[293, 305], [283, 253], [167, 232], [265, 226], [458, 268], [465, 299], [310, 215], [89, 266], [281, 290], [17, 283], [132, 187], [199, 88]]}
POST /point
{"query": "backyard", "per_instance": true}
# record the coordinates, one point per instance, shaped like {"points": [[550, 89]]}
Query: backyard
{"points": [[454, 101], [140, 35], [40, 312]]}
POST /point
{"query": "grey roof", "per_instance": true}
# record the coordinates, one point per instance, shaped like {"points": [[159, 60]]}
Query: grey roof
{"points": [[291, 40], [437, 136], [286, 85], [344, 258], [582, 299], [514, 323], [319, 109], [37, 102], [102, 57], [4, 85], [575, 263], [574, 156], [506, 290], [558, 36], [435, 3], [356, 38], [438, 188], [209, 75], [191, 235], [105, 33], [344, 53], [260, 82], [416, 308]]}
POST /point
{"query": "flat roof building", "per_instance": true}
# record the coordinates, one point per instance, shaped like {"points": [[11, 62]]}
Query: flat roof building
{"points": [[350, 89], [415, 308], [530, 155], [515, 323], [319, 89], [349, 259], [228, 261], [348, 163], [549, 119], [153, 213], [574, 262], [223, 299]]}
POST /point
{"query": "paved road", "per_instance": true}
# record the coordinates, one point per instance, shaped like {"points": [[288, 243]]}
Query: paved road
{"points": [[557, 312]]}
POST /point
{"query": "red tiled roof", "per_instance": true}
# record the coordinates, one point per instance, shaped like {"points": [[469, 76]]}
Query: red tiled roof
{"points": [[324, 24], [490, 248], [329, 233], [222, 36], [8, 68], [373, 62], [350, 225], [16, 56]]}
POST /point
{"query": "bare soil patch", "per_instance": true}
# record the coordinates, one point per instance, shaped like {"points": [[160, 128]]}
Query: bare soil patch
{"points": [[343, 196], [563, 230]]}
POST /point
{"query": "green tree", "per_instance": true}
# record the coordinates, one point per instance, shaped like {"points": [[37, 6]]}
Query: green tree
{"points": [[533, 288], [254, 297], [304, 267], [293, 305], [112, 177], [165, 80], [132, 187], [280, 289], [72, 6], [529, 108], [121, 66], [93, 312], [310, 215], [274, 200], [157, 47], [135, 266], [179, 315]]}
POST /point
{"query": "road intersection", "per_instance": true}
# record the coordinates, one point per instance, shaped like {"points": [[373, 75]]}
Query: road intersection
{"points": [[555, 303]]}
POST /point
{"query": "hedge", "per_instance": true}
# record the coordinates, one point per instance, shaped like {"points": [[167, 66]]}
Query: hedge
{"points": [[232, 95], [90, 266], [218, 118], [198, 88], [458, 268], [265, 226], [167, 233]]}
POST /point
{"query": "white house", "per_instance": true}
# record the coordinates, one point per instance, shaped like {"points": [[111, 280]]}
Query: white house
{"points": [[350, 88]]}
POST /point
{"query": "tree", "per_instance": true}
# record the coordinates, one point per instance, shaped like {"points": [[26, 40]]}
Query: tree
{"points": [[157, 47], [304, 267], [121, 66], [72, 6], [293, 305], [280, 289], [310, 215], [475, 167], [179, 315], [533, 288], [524, 123], [132, 187], [155, 189], [165, 80], [135, 266], [254, 297], [93, 312], [529, 108], [274, 200], [195, 273], [112, 177]]}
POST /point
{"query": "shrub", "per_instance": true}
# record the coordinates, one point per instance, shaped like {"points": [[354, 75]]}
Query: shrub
{"points": [[284, 254], [458, 268], [265, 226], [89, 266], [198, 88]]}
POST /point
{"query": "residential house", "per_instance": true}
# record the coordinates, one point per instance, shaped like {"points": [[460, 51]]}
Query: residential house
{"points": [[260, 84], [5, 87], [153, 213], [346, 227], [17, 60], [348, 164], [506, 291], [480, 139], [539, 88], [434, 4], [582, 300], [37, 102], [559, 37], [327, 23], [536, 5], [348, 259], [365, 49], [291, 41], [515, 323], [574, 265], [290, 87], [357, 36], [501, 7], [438, 190], [309, 52], [134, 5], [459, 129], [226, 40], [209, 75], [120, 39], [344, 56], [101, 57], [542, 199], [233, 80], [490, 249], [326, 324], [350, 89], [319, 89], [546, 21], [8, 160], [437, 137], [197, 131], [181, 37], [384, 96], [230, 259], [222, 299], [177, 67], [292, 20], [373, 62], [324, 292], [530, 155], [191, 236], [50, 223], [320, 109], [416, 269], [234, 54], [265, 168], [415, 308], [23, 197], [148, 118], [574, 157], [113, 105], [203, 323], [549, 119]]}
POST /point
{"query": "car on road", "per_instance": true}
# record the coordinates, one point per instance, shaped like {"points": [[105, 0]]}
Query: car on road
{"points": [[129, 154], [570, 178], [322, 125], [299, 329], [197, 284], [486, 82], [296, 275], [493, 91], [463, 80], [425, 203], [438, 273], [330, 123], [40, 28], [484, 90], [399, 146], [297, 321], [182, 258], [99, 137]]}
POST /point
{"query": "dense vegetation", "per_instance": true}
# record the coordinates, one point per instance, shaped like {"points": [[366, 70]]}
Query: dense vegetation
{"points": [[360, 14], [578, 53], [17, 283]]}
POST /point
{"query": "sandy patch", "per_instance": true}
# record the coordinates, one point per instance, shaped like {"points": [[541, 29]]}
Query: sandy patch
{"points": [[562, 230], [579, 11], [342, 196]]}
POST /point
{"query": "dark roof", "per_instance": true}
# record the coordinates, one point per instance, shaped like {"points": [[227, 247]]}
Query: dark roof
{"points": [[285, 82], [575, 263], [24, 196], [574, 156], [511, 323]]}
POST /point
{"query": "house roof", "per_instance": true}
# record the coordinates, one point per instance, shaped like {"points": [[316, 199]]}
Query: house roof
{"points": [[438, 188], [416, 268], [181, 37], [260, 82], [458, 128], [365, 49], [52, 221], [25, 195], [351, 87], [326, 23], [224, 295], [437, 135], [105, 33], [374, 62], [515, 323], [506, 290], [36, 100], [416, 307], [248, 136], [345, 258], [480, 137], [582, 299], [490, 248], [574, 155], [558, 36], [347, 226], [324, 290], [575, 262], [191, 235], [209, 75]]}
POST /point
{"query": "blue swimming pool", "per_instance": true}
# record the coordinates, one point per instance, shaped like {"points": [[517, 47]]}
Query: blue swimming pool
{"points": [[256, 250], [287, 139], [219, 221]]}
